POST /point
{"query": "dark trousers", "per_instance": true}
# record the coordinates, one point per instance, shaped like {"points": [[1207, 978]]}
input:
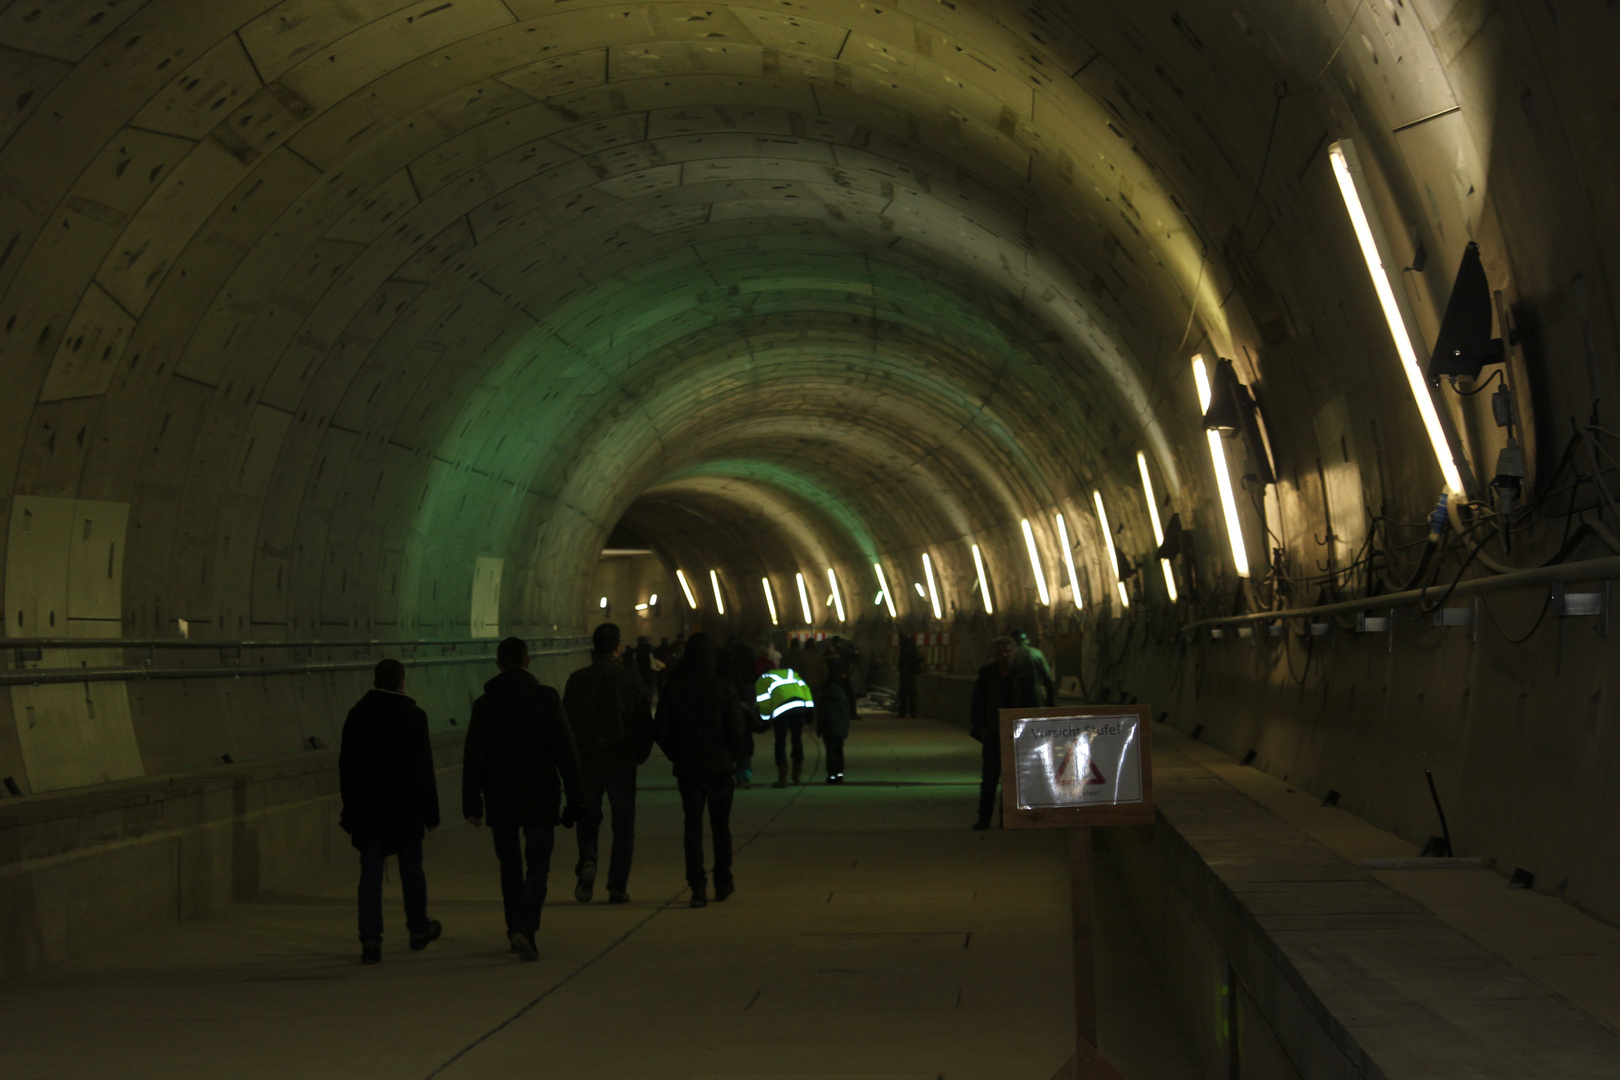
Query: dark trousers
{"points": [[619, 785], [906, 703], [989, 776], [790, 723], [524, 894], [716, 793], [411, 881], [835, 755]]}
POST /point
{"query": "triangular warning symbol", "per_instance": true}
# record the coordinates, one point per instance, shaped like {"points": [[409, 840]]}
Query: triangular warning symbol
{"points": [[1093, 774]]}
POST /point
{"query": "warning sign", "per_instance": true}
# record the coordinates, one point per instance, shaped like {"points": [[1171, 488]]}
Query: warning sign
{"points": [[1077, 761]]}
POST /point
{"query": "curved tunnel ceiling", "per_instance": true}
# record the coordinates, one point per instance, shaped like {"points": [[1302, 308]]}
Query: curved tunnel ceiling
{"points": [[382, 288]]}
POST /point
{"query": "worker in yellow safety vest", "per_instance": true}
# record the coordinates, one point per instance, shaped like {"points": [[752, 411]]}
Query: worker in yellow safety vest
{"points": [[785, 702]]}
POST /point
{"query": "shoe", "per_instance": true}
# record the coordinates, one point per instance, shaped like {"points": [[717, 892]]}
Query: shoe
{"points": [[795, 773], [618, 896], [422, 941], [723, 891], [699, 899], [587, 881], [835, 779], [371, 952], [781, 779], [981, 825], [523, 945]]}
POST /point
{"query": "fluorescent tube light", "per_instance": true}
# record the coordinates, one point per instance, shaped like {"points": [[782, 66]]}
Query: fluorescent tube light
{"points": [[719, 601], [933, 593], [1352, 185], [883, 583], [1158, 530], [770, 601], [1035, 564], [1223, 475], [1068, 560], [837, 597], [984, 583], [804, 600], [1108, 541], [691, 600]]}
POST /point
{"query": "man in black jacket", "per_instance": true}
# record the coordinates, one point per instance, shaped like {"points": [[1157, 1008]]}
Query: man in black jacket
{"points": [[700, 728], [390, 801], [518, 746], [608, 708], [1002, 684]]}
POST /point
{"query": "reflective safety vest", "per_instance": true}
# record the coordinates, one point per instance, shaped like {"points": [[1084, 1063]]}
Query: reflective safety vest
{"points": [[779, 691]]}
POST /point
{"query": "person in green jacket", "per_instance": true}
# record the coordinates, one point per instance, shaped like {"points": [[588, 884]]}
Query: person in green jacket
{"points": [[835, 708], [785, 702]]}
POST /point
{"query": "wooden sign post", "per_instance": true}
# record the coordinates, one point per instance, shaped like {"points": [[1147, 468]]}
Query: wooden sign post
{"points": [[1075, 768]]}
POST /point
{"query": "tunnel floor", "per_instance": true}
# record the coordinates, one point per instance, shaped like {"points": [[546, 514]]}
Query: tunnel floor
{"points": [[873, 936]]}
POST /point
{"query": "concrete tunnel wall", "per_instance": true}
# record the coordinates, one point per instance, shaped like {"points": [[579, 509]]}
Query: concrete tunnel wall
{"points": [[372, 320]]}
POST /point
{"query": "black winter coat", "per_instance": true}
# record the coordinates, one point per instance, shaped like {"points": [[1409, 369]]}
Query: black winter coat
{"points": [[992, 693], [385, 773], [518, 746], [699, 725], [611, 715]]}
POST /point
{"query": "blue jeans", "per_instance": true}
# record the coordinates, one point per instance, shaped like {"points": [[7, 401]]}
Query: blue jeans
{"points": [[411, 880], [524, 894]]}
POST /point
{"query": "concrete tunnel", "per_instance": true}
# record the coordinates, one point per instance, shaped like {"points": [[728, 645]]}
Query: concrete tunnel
{"points": [[333, 330]]}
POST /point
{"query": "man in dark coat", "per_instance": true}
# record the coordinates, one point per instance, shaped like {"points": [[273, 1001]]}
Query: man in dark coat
{"points": [[911, 665], [518, 748], [699, 726], [1002, 684], [390, 802], [611, 715]]}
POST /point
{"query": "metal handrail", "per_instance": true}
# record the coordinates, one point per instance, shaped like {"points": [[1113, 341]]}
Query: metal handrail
{"points": [[1585, 570], [44, 676], [204, 643]]}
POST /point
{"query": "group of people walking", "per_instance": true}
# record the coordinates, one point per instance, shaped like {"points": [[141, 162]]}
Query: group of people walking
{"points": [[534, 760]]}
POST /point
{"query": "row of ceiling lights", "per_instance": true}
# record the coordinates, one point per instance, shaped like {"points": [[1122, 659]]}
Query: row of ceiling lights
{"points": [[1374, 246]]}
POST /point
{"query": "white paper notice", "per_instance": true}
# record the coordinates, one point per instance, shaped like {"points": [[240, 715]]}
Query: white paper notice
{"points": [[1077, 761]]}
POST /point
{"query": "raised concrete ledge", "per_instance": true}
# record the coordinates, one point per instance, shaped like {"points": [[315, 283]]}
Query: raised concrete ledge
{"points": [[81, 868], [1333, 974]]}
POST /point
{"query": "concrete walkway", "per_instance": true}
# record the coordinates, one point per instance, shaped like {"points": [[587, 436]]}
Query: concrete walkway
{"points": [[872, 937]]}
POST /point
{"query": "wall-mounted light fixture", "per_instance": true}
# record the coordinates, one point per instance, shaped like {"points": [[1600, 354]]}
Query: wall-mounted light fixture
{"points": [[1068, 561], [653, 600], [602, 604], [1158, 529], [719, 601], [1113, 553], [770, 600], [1223, 475], [984, 582], [883, 584], [1035, 564], [837, 597], [1375, 252], [804, 600], [933, 591], [642, 607], [691, 600]]}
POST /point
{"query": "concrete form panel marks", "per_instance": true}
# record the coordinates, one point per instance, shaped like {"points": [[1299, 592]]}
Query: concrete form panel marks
{"points": [[37, 547], [90, 348], [25, 79], [560, 74], [324, 76], [204, 94], [486, 597], [64, 29], [64, 560], [382, 207], [148, 248]]}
